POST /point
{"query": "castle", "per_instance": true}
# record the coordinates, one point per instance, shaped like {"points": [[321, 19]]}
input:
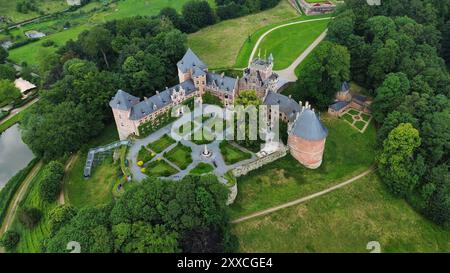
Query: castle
{"points": [[307, 135]]}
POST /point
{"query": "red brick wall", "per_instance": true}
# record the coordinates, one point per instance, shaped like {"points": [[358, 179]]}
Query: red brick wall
{"points": [[308, 153]]}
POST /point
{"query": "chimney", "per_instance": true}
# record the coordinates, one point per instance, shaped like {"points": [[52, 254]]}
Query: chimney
{"points": [[290, 96], [222, 75]]}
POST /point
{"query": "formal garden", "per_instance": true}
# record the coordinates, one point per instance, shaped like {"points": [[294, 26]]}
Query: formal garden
{"points": [[357, 119]]}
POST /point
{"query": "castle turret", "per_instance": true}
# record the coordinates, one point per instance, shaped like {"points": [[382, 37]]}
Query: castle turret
{"points": [[307, 138], [121, 105]]}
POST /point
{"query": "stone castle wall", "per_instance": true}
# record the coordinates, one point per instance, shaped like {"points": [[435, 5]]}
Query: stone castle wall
{"points": [[259, 162], [308, 153]]}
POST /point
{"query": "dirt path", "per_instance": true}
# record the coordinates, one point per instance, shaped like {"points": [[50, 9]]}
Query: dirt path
{"points": [[303, 199], [12, 209], [69, 165]]}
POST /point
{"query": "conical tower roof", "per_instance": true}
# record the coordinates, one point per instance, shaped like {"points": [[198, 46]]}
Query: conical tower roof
{"points": [[309, 127]]}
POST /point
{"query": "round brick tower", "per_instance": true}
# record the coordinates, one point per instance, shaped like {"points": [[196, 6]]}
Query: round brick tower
{"points": [[307, 138]]}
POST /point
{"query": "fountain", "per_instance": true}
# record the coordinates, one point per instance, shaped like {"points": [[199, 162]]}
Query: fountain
{"points": [[206, 153]]}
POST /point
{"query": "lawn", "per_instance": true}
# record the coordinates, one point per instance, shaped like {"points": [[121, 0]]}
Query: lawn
{"points": [[360, 124], [180, 155], [219, 45], [13, 120], [8, 8], [96, 190], [344, 221], [161, 144], [144, 155], [31, 240], [347, 153], [202, 168], [231, 154], [160, 168], [80, 192], [202, 137], [287, 43], [33, 52]]}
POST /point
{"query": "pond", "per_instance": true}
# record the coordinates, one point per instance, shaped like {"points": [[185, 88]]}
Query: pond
{"points": [[14, 154]]}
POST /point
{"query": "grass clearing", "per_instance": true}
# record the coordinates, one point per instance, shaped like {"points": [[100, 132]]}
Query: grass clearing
{"points": [[285, 179], [161, 144], [180, 155], [287, 43], [31, 239], [231, 154], [8, 9], [34, 52], [219, 45], [344, 221], [202, 168], [96, 190], [79, 191], [144, 155], [160, 168]]}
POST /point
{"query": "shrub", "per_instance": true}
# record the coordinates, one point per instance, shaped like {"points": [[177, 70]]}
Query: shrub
{"points": [[10, 240], [143, 170], [50, 185], [30, 217], [60, 216], [140, 163], [48, 43]]}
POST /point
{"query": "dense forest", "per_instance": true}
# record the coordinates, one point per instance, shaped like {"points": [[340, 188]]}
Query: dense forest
{"points": [[398, 52], [158, 216]]}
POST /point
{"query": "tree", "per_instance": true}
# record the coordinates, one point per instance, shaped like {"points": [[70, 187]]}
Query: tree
{"points": [[60, 216], [438, 205], [143, 238], [390, 95], [445, 51], [397, 162], [8, 92], [10, 240], [393, 120], [7, 72], [95, 41], [30, 217], [3, 55], [247, 98], [51, 182], [328, 67], [198, 14]]}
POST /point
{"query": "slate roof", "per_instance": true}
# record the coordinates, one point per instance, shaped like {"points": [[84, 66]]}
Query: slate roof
{"points": [[338, 105], [345, 87], [123, 101], [309, 127], [198, 72], [225, 83], [160, 100], [190, 61], [287, 105]]}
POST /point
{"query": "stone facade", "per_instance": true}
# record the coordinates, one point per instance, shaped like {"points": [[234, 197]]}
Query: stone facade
{"points": [[345, 100], [317, 8], [259, 76], [259, 162]]}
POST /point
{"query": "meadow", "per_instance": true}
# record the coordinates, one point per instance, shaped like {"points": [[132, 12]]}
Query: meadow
{"points": [[34, 52], [287, 43], [286, 179], [345, 221], [8, 9], [219, 45]]}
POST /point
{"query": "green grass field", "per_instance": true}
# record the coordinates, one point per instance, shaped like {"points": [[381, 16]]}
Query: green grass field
{"points": [[232, 154], [347, 153], [344, 221], [98, 188], [32, 53], [8, 9], [10, 122], [31, 240], [202, 168], [287, 43], [160, 168], [219, 45], [161, 144], [180, 155]]}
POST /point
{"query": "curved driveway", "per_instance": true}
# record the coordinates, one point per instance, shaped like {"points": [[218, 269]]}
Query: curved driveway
{"points": [[288, 74]]}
